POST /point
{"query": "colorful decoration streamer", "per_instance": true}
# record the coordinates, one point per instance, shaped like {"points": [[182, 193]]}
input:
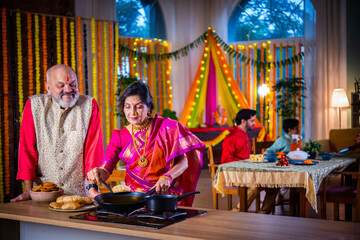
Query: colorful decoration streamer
{"points": [[94, 63], [72, 45]]}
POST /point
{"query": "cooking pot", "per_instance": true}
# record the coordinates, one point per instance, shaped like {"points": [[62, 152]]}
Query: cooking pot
{"points": [[122, 202], [164, 202]]}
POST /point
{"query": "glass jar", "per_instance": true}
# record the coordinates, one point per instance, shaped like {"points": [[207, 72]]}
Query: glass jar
{"points": [[295, 142]]}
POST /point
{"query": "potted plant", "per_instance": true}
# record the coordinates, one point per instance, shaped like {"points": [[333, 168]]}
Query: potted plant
{"points": [[312, 148]]}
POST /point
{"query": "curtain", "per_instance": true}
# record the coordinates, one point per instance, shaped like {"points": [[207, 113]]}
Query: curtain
{"points": [[330, 67]]}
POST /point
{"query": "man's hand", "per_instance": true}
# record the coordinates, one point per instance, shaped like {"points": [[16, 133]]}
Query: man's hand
{"points": [[22, 197]]}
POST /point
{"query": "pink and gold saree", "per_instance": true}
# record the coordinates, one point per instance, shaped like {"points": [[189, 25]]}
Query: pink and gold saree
{"points": [[167, 140]]}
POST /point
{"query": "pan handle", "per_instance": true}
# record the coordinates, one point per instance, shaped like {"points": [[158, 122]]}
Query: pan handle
{"points": [[106, 185], [151, 191], [181, 197]]}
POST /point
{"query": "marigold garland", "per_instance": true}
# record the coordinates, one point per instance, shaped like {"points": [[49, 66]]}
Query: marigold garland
{"points": [[30, 55], [37, 54], [79, 48], [116, 64], [94, 63], [44, 50], [111, 76], [6, 102], [106, 83], [65, 41], [99, 62], [20, 91], [58, 41], [217, 140], [72, 45]]}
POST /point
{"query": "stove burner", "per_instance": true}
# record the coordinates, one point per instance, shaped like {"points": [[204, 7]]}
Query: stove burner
{"points": [[140, 217]]}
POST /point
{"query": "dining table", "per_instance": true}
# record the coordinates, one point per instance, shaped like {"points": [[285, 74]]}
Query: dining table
{"points": [[305, 178]]}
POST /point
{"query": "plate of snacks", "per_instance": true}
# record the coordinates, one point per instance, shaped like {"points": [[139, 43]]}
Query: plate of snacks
{"points": [[257, 158], [72, 203], [305, 162], [46, 192]]}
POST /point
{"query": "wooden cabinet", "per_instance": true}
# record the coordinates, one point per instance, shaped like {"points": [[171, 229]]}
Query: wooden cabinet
{"points": [[355, 109]]}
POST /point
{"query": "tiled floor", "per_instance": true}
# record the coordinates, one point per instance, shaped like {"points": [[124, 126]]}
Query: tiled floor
{"points": [[204, 200]]}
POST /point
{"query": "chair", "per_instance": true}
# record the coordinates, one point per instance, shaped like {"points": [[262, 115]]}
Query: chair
{"points": [[340, 194], [228, 190], [116, 177], [260, 147]]}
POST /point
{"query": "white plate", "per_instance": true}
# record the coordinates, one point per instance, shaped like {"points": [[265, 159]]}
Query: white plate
{"points": [[84, 208], [248, 160]]}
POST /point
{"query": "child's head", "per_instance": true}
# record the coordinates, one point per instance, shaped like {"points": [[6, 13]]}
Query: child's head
{"points": [[291, 126]]}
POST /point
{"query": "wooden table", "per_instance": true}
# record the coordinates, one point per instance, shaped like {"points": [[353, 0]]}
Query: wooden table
{"points": [[306, 179], [30, 220]]}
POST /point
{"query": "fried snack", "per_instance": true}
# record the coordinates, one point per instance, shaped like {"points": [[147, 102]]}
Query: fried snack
{"points": [[55, 205], [256, 157], [86, 200], [308, 162], [71, 206], [46, 187], [68, 198], [121, 188]]}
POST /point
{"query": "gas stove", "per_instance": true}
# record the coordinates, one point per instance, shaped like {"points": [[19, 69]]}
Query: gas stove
{"points": [[140, 217]]}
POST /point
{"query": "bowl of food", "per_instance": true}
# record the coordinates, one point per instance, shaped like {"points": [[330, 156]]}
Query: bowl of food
{"points": [[271, 158], [326, 156], [298, 155], [46, 193]]}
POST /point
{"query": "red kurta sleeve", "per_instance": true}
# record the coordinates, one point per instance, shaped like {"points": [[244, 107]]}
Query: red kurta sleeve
{"points": [[94, 147], [28, 154], [236, 146]]}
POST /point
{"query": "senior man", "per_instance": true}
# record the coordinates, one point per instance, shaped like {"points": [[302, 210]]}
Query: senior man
{"points": [[60, 136]]}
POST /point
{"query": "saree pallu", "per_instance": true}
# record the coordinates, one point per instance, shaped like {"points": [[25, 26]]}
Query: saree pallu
{"points": [[167, 140]]}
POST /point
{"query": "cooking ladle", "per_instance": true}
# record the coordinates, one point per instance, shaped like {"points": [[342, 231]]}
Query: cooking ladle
{"points": [[106, 185]]}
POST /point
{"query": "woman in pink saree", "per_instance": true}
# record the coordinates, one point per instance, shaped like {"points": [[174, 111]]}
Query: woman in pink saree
{"points": [[158, 152]]}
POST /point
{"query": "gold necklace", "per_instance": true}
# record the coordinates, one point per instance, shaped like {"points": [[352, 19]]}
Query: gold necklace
{"points": [[142, 126], [143, 161]]}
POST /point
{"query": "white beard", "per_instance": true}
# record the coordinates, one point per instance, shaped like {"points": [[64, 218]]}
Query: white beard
{"points": [[64, 104]]}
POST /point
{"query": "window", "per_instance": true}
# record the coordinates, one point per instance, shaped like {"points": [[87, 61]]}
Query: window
{"points": [[266, 19], [140, 18]]}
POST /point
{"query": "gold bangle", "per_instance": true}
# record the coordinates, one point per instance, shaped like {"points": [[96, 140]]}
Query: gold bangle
{"points": [[166, 178]]}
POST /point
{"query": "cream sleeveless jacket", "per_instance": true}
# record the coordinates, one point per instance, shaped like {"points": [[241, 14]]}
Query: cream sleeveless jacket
{"points": [[60, 137]]}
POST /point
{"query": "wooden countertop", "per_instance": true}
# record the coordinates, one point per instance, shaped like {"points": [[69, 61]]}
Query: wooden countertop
{"points": [[216, 224]]}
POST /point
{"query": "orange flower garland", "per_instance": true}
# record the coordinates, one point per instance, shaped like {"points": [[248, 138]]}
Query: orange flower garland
{"points": [[79, 48], [30, 55], [19, 65], [106, 84], [44, 50], [117, 63], [65, 42], [37, 54], [94, 64]]}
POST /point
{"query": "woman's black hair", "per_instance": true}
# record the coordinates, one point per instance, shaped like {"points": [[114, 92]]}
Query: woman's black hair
{"points": [[137, 88]]}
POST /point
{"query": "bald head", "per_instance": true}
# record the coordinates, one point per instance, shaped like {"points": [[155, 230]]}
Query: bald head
{"points": [[62, 85]]}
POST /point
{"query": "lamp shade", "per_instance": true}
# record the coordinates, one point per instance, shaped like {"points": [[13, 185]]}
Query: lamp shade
{"points": [[339, 98]]}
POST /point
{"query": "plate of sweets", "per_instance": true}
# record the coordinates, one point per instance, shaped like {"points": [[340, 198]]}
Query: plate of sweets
{"points": [[305, 162]]}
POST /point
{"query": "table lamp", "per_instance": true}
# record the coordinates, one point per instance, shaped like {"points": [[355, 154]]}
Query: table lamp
{"points": [[339, 100]]}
